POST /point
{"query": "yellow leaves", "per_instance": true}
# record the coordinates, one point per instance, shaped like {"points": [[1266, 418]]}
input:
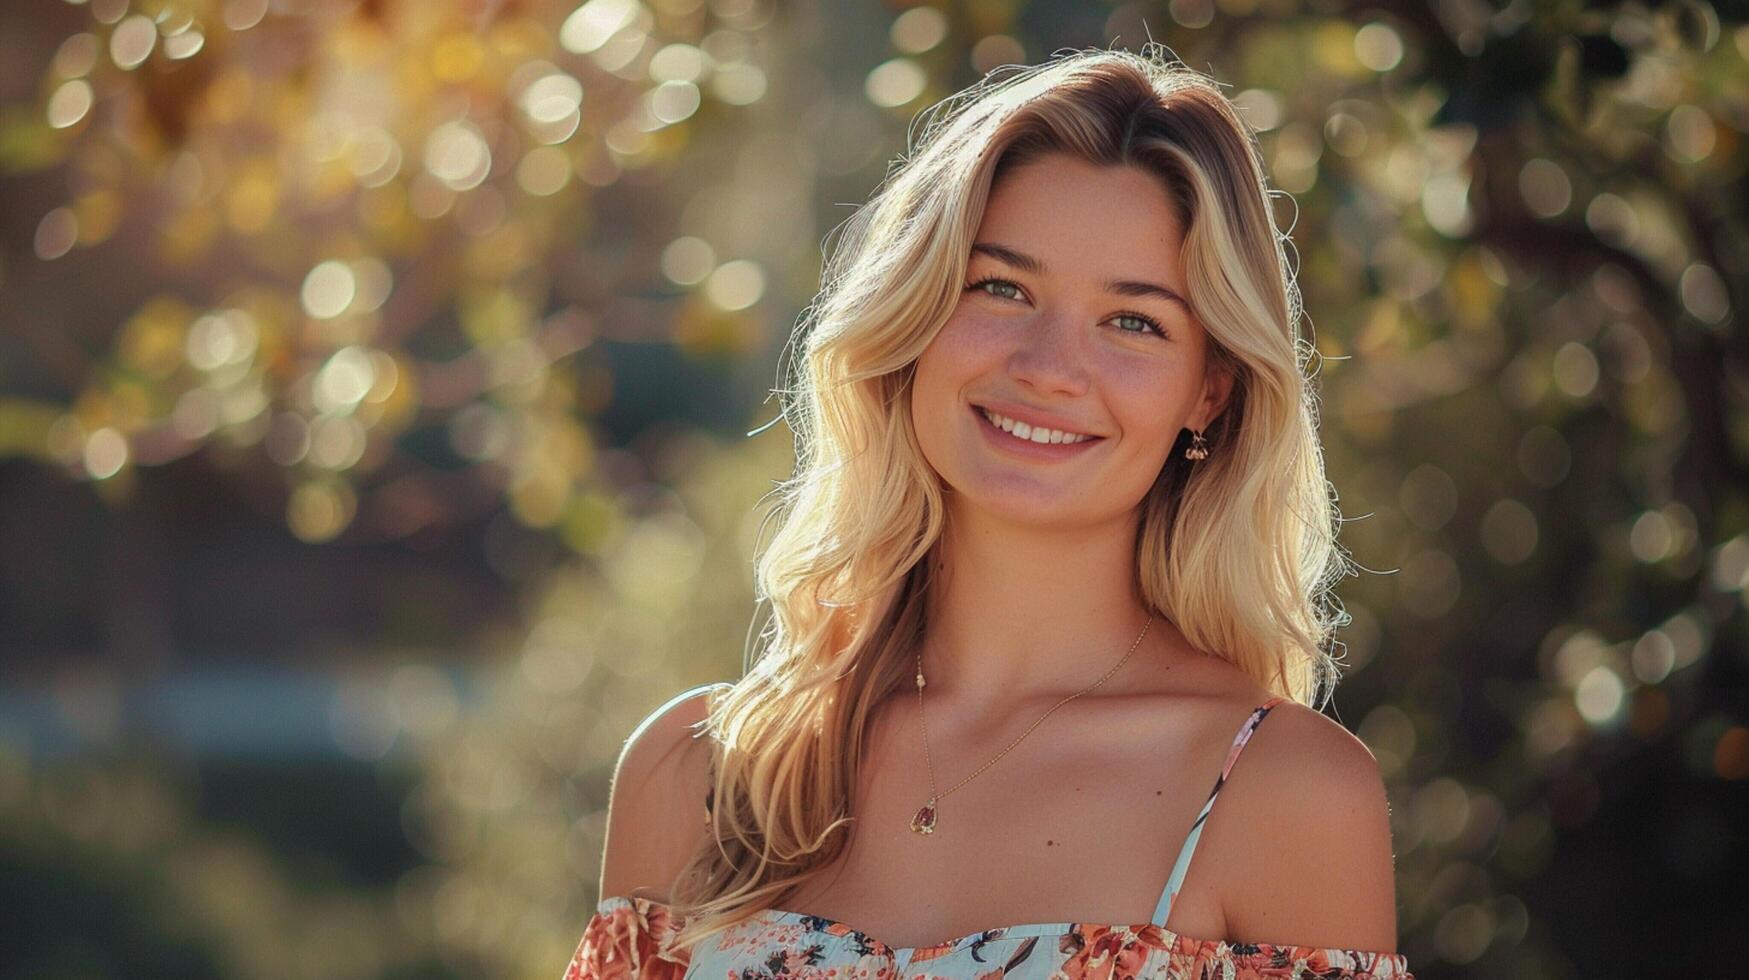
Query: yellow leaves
{"points": [[703, 330], [253, 197], [25, 427], [151, 342], [318, 510], [396, 394], [457, 58], [1332, 49], [590, 522], [230, 96], [494, 317], [185, 235], [1475, 298]]}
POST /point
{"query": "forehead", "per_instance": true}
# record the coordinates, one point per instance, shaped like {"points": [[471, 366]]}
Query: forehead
{"points": [[1083, 218]]}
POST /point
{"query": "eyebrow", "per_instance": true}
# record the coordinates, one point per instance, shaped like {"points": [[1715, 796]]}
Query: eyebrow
{"points": [[1122, 287]]}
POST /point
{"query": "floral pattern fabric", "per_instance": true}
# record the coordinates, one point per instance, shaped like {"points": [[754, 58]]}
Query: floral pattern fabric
{"points": [[629, 939]]}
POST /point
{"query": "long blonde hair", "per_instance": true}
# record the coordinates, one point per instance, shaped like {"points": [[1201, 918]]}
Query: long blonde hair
{"points": [[1238, 550]]}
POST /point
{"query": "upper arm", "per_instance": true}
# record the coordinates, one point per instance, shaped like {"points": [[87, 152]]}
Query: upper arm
{"points": [[655, 809], [1319, 867]]}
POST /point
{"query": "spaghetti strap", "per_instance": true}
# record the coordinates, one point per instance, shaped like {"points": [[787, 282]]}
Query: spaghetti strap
{"points": [[1163, 910]]}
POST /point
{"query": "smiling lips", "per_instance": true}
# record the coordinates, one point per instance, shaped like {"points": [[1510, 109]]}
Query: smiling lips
{"points": [[1024, 446], [1037, 434]]}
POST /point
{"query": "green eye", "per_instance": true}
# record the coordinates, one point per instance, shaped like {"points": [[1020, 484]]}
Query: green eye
{"points": [[1149, 323], [980, 284]]}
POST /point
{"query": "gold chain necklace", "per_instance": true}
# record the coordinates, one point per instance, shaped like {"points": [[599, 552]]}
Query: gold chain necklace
{"points": [[924, 821]]}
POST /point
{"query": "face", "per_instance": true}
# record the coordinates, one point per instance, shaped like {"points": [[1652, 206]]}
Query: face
{"points": [[1072, 317]]}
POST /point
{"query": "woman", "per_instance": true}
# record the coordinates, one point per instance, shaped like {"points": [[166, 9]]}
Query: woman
{"points": [[1058, 542]]}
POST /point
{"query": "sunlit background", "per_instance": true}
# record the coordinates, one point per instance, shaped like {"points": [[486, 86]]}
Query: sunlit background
{"points": [[376, 380]]}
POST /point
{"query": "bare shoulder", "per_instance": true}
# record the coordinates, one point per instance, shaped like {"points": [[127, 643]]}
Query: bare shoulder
{"points": [[1295, 738], [655, 812], [1310, 810]]}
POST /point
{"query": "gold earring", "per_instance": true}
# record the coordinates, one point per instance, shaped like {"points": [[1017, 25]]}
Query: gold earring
{"points": [[1198, 448]]}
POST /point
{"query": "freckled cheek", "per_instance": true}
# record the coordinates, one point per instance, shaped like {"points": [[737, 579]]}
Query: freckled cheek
{"points": [[969, 331], [963, 351]]}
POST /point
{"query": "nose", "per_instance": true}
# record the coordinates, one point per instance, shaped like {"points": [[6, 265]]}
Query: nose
{"points": [[1049, 358]]}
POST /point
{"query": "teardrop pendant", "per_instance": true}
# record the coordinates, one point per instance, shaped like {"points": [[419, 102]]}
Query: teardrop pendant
{"points": [[924, 821]]}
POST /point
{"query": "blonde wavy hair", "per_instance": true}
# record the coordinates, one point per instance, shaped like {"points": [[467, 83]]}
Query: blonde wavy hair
{"points": [[1238, 550]]}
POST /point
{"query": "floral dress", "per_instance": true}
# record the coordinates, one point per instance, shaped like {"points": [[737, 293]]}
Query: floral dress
{"points": [[627, 939]]}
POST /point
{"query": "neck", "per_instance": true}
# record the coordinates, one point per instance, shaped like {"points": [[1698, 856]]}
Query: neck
{"points": [[1023, 614]]}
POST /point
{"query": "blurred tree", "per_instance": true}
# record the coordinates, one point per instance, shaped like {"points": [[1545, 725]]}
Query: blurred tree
{"points": [[364, 225]]}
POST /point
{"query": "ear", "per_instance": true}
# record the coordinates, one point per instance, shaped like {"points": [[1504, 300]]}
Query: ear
{"points": [[1217, 388]]}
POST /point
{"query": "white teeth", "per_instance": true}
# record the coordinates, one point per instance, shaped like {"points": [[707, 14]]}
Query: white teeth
{"points": [[1039, 435]]}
